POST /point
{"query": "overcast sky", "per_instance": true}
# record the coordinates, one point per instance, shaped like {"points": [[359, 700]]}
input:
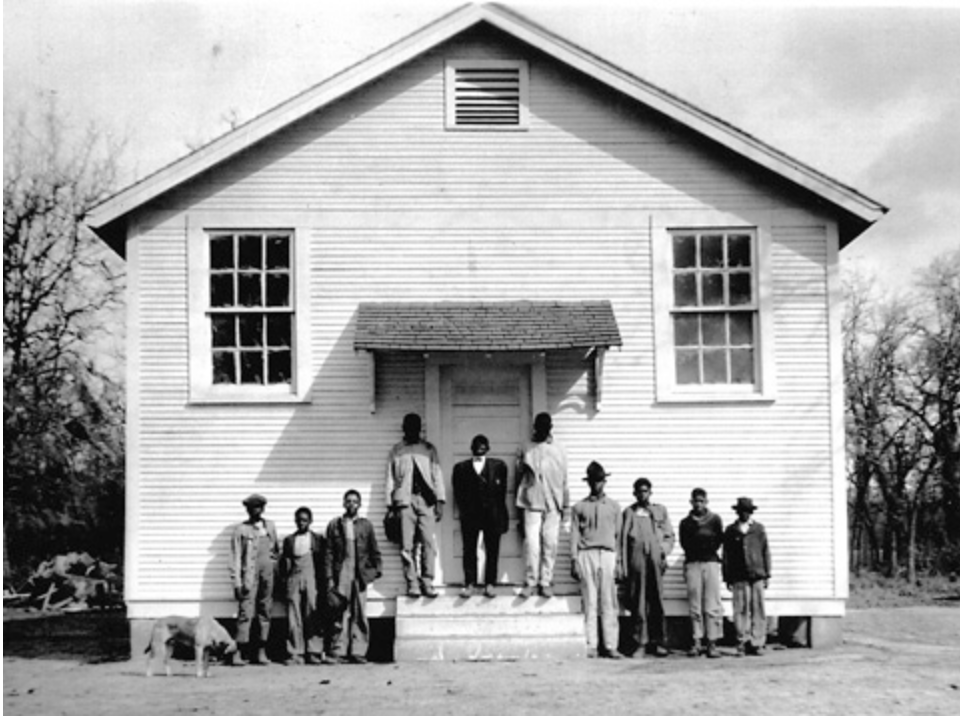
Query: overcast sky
{"points": [[868, 95]]}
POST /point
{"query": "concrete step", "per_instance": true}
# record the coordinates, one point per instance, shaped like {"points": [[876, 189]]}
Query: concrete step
{"points": [[479, 629]]}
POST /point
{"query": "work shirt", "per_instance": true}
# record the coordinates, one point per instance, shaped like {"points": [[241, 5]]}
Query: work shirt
{"points": [[595, 524]]}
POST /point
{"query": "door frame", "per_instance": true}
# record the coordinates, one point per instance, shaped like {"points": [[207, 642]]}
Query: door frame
{"points": [[433, 365]]}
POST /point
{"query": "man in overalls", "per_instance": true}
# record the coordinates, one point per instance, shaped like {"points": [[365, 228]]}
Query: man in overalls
{"points": [[254, 552]]}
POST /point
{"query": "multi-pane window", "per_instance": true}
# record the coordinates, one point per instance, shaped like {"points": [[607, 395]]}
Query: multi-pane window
{"points": [[251, 308], [714, 309]]}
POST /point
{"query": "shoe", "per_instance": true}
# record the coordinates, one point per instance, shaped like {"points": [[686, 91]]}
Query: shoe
{"points": [[466, 592], [488, 592], [261, 659], [753, 650], [413, 592], [712, 651], [657, 650], [592, 654], [694, 652], [358, 659], [615, 655], [526, 592], [313, 659], [429, 592], [740, 650], [236, 659], [294, 661], [546, 591]]}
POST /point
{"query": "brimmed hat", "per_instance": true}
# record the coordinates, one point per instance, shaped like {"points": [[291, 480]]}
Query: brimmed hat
{"points": [[255, 499], [744, 504], [596, 473]]}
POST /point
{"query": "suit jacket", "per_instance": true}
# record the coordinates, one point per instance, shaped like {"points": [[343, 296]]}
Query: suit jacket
{"points": [[484, 496], [287, 559], [369, 564]]}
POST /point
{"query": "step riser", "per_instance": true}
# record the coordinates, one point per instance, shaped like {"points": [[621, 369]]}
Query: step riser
{"points": [[498, 649], [542, 626]]}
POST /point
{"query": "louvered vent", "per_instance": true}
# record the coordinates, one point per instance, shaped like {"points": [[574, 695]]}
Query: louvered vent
{"points": [[486, 95]]}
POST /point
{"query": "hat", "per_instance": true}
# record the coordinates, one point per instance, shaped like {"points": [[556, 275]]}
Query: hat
{"points": [[255, 499], [596, 473], [744, 504]]}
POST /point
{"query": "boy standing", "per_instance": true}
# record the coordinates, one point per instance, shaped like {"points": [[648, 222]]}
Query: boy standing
{"points": [[595, 531], [701, 536], [254, 551], [746, 571], [646, 539], [353, 561], [301, 569]]}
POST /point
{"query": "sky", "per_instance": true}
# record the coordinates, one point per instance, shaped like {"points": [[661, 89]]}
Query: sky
{"points": [[868, 94]]}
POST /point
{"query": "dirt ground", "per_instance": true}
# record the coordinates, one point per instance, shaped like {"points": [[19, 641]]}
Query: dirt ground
{"points": [[896, 660]]}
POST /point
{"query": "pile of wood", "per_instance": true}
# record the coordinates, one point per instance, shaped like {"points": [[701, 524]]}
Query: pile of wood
{"points": [[69, 582]]}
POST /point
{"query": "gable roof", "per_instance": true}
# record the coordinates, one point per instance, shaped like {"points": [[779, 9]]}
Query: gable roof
{"points": [[857, 210], [486, 326]]}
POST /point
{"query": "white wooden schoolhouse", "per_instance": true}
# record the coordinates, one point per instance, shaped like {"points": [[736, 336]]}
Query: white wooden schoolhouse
{"points": [[481, 222]]}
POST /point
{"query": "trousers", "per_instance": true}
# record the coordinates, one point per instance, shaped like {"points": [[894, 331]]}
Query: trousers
{"points": [[703, 600], [418, 549], [598, 587], [541, 540], [749, 613]]}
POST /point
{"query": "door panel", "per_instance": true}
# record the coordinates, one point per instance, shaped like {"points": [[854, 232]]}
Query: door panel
{"points": [[492, 399]]}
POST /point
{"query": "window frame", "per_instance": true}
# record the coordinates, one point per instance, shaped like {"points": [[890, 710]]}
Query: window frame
{"points": [[668, 390], [450, 95], [202, 387]]}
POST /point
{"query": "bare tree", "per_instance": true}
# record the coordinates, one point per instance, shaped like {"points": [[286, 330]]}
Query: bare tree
{"points": [[902, 373], [62, 415]]}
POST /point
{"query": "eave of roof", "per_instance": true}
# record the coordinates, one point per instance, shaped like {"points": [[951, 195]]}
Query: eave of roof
{"points": [[858, 210], [485, 326]]}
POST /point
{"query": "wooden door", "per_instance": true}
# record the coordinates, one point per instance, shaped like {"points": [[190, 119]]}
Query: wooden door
{"points": [[493, 399]]}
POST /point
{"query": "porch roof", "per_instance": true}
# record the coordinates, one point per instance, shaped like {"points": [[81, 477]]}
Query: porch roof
{"points": [[486, 327]]}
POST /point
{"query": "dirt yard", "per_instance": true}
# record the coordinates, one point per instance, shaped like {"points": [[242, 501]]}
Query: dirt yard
{"points": [[893, 661]]}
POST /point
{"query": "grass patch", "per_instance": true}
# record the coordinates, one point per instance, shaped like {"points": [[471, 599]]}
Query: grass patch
{"points": [[868, 590]]}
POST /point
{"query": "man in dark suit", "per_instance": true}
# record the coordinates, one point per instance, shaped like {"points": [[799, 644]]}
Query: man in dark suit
{"points": [[480, 489]]}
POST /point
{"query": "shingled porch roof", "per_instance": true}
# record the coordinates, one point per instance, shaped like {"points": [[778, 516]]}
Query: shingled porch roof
{"points": [[486, 327]]}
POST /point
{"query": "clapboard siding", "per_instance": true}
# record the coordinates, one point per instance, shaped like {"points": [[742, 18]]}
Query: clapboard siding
{"points": [[399, 209]]}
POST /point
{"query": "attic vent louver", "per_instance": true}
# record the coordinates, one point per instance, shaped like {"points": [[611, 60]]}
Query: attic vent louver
{"points": [[486, 94]]}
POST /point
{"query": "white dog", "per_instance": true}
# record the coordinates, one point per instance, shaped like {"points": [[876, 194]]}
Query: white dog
{"points": [[204, 635]]}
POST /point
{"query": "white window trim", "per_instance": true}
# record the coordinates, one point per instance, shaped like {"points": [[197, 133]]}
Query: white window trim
{"points": [[450, 68], [202, 388], [662, 229]]}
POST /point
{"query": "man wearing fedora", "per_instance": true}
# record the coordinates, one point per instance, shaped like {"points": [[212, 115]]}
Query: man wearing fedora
{"points": [[594, 535], [746, 571], [254, 551]]}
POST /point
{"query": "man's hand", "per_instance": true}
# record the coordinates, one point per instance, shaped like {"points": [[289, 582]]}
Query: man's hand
{"points": [[239, 593], [575, 569], [438, 511]]}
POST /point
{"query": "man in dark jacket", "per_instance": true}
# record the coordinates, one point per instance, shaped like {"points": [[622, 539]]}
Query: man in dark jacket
{"points": [[480, 490], [352, 562], [746, 571], [301, 572]]}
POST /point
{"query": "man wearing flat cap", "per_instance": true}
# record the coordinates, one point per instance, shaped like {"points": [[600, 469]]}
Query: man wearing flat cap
{"points": [[254, 551], [594, 535], [746, 571]]}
